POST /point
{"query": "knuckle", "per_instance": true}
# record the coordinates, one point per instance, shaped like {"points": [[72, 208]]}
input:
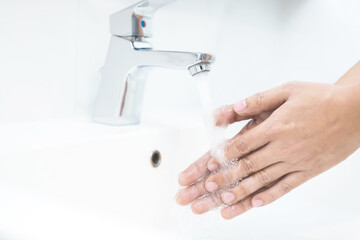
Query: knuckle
{"points": [[200, 188], [197, 167], [220, 179], [241, 206], [242, 146], [241, 192], [291, 86], [216, 198], [230, 177], [247, 165], [272, 197], [259, 98], [264, 177], [285, 187], [276, 127]]}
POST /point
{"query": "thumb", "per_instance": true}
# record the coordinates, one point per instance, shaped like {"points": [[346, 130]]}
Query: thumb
{"points": [[262, 101]]}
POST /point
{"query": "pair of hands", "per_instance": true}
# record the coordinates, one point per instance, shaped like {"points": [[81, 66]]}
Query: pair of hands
{"points": [[297, 131]]}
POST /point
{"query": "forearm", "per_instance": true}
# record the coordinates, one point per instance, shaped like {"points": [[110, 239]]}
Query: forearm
{"points": [[350, 84], [349, 99], [352, 77]]}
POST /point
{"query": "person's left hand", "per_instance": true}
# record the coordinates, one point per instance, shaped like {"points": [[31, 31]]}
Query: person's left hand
{"points": [[299, 131]]}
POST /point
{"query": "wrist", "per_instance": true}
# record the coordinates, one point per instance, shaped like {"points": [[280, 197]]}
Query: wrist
{"points": [[352, 77], [349, 99], [351, 94]]}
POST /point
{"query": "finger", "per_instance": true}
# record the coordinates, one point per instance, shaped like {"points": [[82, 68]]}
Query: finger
{"points": [[236, 209], [241, 191], [253, 183], [263, 101], [214, 164], [195, 171], [206, 203], [226, 115], [244, 167], [281, 188], [242, 206], [248, 142], [257, 120], [212, 201], [187, 195]]}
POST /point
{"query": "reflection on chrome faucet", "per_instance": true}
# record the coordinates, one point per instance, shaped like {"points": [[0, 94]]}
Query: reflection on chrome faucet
{"points": [[130, 58]]}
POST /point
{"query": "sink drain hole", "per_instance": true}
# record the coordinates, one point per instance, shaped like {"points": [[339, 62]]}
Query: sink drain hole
{"points": [[155, 159]]}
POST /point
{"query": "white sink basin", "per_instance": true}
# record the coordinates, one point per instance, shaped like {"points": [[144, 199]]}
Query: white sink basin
{"points": [[89, 181]]}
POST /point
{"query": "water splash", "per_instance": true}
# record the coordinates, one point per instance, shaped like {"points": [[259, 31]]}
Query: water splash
{"points": [[216, 135]]}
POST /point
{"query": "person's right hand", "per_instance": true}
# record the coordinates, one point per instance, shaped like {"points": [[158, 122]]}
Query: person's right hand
{"points": [[312, 128]]}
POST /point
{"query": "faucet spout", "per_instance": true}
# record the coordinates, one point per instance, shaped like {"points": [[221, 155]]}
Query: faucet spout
{"points": [[129, 60], [126, 69], [172, 59]]}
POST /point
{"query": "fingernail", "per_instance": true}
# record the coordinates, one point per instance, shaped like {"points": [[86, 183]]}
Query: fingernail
{"points": [[228, 197], [211, 186], [257, 203], [238, 107], [212, 167]]}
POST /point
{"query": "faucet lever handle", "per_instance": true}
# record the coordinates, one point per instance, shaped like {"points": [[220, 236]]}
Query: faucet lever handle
{"points": [[135, 21]]}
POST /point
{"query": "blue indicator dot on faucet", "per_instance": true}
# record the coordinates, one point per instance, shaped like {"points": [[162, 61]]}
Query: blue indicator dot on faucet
{"points": [[143, 23]]}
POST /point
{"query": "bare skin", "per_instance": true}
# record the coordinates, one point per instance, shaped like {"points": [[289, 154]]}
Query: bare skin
{"points": [[298, 130]]}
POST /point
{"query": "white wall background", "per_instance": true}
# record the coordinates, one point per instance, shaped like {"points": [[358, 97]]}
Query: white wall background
{"points": [[51, 51]]}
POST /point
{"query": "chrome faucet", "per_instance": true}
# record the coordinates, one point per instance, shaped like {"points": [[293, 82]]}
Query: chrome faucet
{"points": [[129, 60]]}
